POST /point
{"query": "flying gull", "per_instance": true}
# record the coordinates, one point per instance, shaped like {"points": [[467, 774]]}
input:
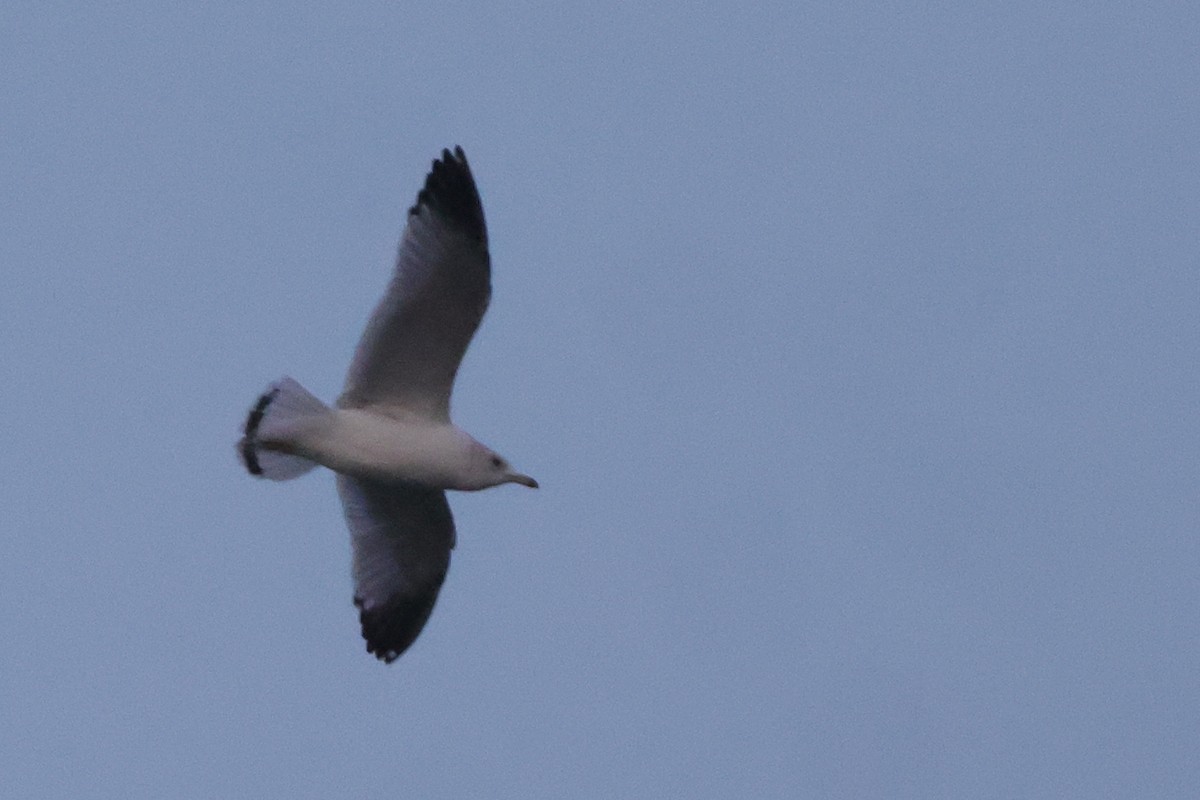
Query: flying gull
{"points": [[389, 438]]}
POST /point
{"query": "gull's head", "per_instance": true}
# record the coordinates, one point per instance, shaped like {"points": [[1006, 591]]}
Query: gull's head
{"points": [[492, 469]]}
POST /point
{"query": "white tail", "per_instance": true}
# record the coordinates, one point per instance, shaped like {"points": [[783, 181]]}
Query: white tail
{"points": [[270, 425]]}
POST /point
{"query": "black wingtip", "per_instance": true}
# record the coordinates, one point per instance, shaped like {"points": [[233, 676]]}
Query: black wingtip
{"points": [[451, 192], [248, 446], [391, 628]]}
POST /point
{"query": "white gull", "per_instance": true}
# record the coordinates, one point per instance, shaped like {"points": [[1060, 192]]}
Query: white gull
{"points": [[390, 438]]}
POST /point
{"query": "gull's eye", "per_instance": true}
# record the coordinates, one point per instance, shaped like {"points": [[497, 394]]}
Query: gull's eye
{"points": [[496, 461]]}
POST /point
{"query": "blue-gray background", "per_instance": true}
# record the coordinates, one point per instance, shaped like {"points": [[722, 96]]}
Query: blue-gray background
{"points": [[854, 345]]}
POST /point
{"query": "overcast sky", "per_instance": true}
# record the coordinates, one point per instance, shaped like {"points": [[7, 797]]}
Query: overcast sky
{"points": [[854, 346]]}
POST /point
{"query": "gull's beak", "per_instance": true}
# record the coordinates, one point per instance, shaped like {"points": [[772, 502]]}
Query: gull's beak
{"points": [[524, 480]]}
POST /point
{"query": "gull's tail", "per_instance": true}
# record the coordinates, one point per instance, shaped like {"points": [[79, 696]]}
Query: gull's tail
{"points": [[272, 425]]}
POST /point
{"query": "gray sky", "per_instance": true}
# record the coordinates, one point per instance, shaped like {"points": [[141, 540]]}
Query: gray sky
{"points": [[854, 346]]}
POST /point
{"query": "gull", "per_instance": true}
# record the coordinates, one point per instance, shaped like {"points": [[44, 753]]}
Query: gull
{"points": [[389, 437]]}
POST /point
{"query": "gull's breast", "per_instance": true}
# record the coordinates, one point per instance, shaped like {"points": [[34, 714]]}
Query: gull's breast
{"points": [[364, 444]]}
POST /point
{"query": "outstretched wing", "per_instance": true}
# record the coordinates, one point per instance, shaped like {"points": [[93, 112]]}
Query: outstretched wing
{"points": [[416, 337], [402, 536]]}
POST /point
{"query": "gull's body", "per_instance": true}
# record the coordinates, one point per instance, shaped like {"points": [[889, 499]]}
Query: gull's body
{"points": [[390, 438], [369, 445]]}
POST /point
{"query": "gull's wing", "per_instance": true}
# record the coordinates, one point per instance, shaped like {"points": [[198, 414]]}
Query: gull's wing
{"points": [[402, 536], [416, 338]]}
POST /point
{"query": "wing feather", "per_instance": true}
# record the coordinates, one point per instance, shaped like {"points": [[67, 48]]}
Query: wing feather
{"points": [[416, 338], [402, 536]]}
